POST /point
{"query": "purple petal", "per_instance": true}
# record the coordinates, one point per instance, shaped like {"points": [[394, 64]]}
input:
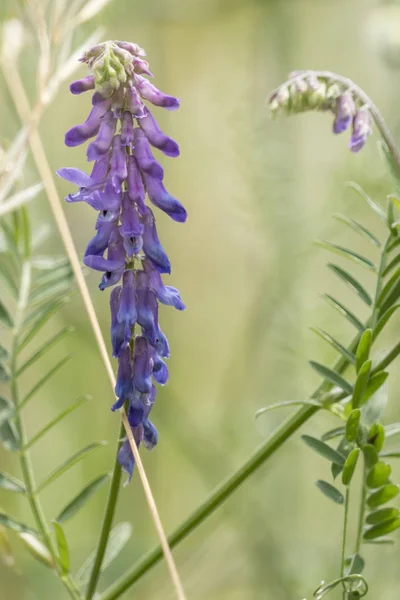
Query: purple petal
{"points": [[80, 133], [145, 159], [147, 307], [104, 138], [156, 137], [127, 129], [150, 435], [135, 105], [118, 171], [160, 371], [131, 226], [166, 294], [135, 184], [149, 92], [76, 176], [127, 313], [124, 383], [82, 85], [151, 244], [142, 365], [163, 200], [117, 329]]}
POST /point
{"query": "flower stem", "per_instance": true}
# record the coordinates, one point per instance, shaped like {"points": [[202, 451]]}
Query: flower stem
{"points": [[361, 516], [344, 539]]}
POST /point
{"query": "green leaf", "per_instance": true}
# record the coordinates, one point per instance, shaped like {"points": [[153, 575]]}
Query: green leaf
{"points": [[391, 430], [37, 319], [385, 494], [8, 279], [287, 403], [363, 349], [50, 265], [370, 455], [117, 540], [332, 376], [48, 345], [63, 550], [355, 565], [330, 491], [375, 382], [390, 285], [37, 548], [352, 425], [393, 263], [383, 320], [350, 466], [8, 482], [324, 450], [379, 475], [376, 436], [8, 435], [6, 410], [15, 525], [11, 244], [4, 373], [73, 460], [382, 514], [352, 283], [390, 454], [381, 529], [361, 383], [386, 360], [344, 448], [333, 433], [57, 420], [80, 500], [5, 316], [344, 311], [382, 541], [335, 344], [358, 228], [349, 254], [44, 380], [51, 288], [375, 207], [3, 353]]}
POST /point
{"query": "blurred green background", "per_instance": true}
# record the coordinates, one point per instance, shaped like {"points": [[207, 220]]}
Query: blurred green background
{"points": [[258, 193]]}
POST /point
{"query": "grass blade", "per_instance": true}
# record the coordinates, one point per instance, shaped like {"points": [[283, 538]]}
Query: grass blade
{"points": [[352, 283], [335, 344], [346, 253], [344, 311], [358, 228], [80, 500], [332, 376]]}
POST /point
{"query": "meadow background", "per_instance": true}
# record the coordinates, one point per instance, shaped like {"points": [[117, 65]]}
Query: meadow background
{"points": [[258, 193]]}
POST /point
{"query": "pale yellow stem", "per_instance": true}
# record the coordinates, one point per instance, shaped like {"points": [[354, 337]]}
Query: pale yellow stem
{"points": [[18, 94]]}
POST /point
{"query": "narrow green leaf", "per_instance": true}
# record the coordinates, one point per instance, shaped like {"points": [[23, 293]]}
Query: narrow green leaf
{"points": [[394, 244], [332, 376], [375, 207], [80, 500], [352, 283], [344, 311], [11, 244], [3, 353], [8, 279], [374, 384], [358, 228], [379, 475], [381, 529], [382, 514], [361, 383], [333, 433], [37, 319], [389, 295], [350, 466], [349, 254], [391, 430], [37, 548], [4, 373], [391, 284], [376, 436], [44, 380], [387, 359], [15, 525], [344, 448], [323, 449], [70, 463], [370, 455], [6, 410], [63, 550], [352, 425], [393, 263], [8, 435], [330, 491], [8, 482], [48, 345], [287, 403], [382, 541], [5, 317], [363, 349], [49, 265], [355, 565], [335, 344], [390, 454], [383, 320], [119, 536], [56, 420], [385, 494], [50, 289]]}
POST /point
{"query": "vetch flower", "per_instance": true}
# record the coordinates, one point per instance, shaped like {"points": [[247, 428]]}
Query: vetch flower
{"points": [[121, 131]]}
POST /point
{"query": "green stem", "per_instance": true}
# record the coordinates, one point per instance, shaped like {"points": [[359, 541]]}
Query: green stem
{"points": [[107, 522], [361, 515], [344, 539]]}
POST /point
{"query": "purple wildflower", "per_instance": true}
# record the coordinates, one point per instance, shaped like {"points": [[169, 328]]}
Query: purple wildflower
{"points": [[126, 244], [344, 111], [362, 128]]}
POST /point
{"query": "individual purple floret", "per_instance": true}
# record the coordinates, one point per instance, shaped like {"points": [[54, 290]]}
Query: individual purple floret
{"points": [[126, 247]]}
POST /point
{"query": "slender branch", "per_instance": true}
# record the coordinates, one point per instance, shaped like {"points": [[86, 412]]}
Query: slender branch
{"points": [[18, 94]]}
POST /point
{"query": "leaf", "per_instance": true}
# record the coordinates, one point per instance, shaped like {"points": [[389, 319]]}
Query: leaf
{"points": [[350, 466], [363, 349], [51, 288], [335, 344], [393, 263], [344, 448], [324, 450], [63, 550], [17, 200], [385, 494], [286, 403], [344, 311], [352, 283], [391, 430], [386, 360], [333, 433], [14, 525], [358, 228], [48, 345], [390, 285], [355, 565], [119, 536], [352, 425], [394, 244], [50, 264], [383, 320], [332, 376], [361, 383], [375, 382], [330, 491], [375, 207], [390, 454], [56, 420], [376, 436], [80, 500], [37, 548], [11, 245], [44, 379], [37, 319], [6, 410], [349, 254], [5, 316], [8, 279], [4, 373], [379, 475], [8, 435], [3, 353], [8, 482], [381, 529], [73, 460], [370, 455], [382, 541], [382, 514]]}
